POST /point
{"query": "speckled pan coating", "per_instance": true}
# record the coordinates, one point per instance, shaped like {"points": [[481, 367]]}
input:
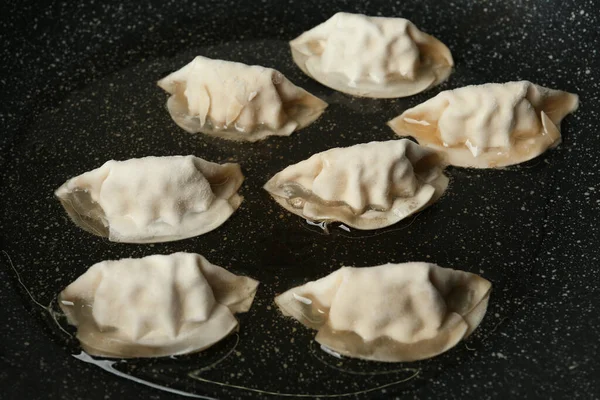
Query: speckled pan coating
{"points": [[531, 230]]}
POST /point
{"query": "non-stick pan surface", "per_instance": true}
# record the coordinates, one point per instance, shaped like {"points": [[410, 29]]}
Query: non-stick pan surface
{"points": [[78, 88]]}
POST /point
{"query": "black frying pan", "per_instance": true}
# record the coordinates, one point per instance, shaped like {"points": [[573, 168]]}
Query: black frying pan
{"points": [[78, 87]]}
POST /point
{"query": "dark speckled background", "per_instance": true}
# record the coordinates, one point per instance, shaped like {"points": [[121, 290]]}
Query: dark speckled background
{"points": [[77, 87]]}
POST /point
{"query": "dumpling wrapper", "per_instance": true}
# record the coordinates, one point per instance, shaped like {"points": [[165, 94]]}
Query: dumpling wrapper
{"points": [[236, 101], [490, 125], [392, 312], [155, 306], [153, 199], [365, 186], [372, 56]]}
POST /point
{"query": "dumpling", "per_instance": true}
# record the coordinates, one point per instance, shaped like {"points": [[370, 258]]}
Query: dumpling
{"points": [[372, 56], [153, 199], [365, 186], [237, 101], [392, 312], [491, 125], [155, 306]]}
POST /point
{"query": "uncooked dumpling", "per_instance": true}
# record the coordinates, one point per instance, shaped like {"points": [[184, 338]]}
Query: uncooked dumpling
{"points": [[153, 199], [491, 125], [372, 56], [366, 186], [237, 101], [155, 306], [392, 312]]}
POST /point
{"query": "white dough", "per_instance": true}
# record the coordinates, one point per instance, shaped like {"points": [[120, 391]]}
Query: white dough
{"points": [[365, 186], [491, 125], [153, 199], [391, 312], [237, 101], [372, 56], [155, 306]]}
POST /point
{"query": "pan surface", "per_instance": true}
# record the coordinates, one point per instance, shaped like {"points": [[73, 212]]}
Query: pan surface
{"points": [[78, 87]]}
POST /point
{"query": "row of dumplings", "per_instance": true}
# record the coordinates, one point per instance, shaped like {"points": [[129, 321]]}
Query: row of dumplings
{"points": [[482, 126], [181, 303], [158, 199], [175, 304]]}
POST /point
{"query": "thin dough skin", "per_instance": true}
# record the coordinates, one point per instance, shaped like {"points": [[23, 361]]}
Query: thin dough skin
{"points": [[153, 199], [155, 306], [236, 101], [490, 125], [365, 186], [391, 312], [372, 56]]}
